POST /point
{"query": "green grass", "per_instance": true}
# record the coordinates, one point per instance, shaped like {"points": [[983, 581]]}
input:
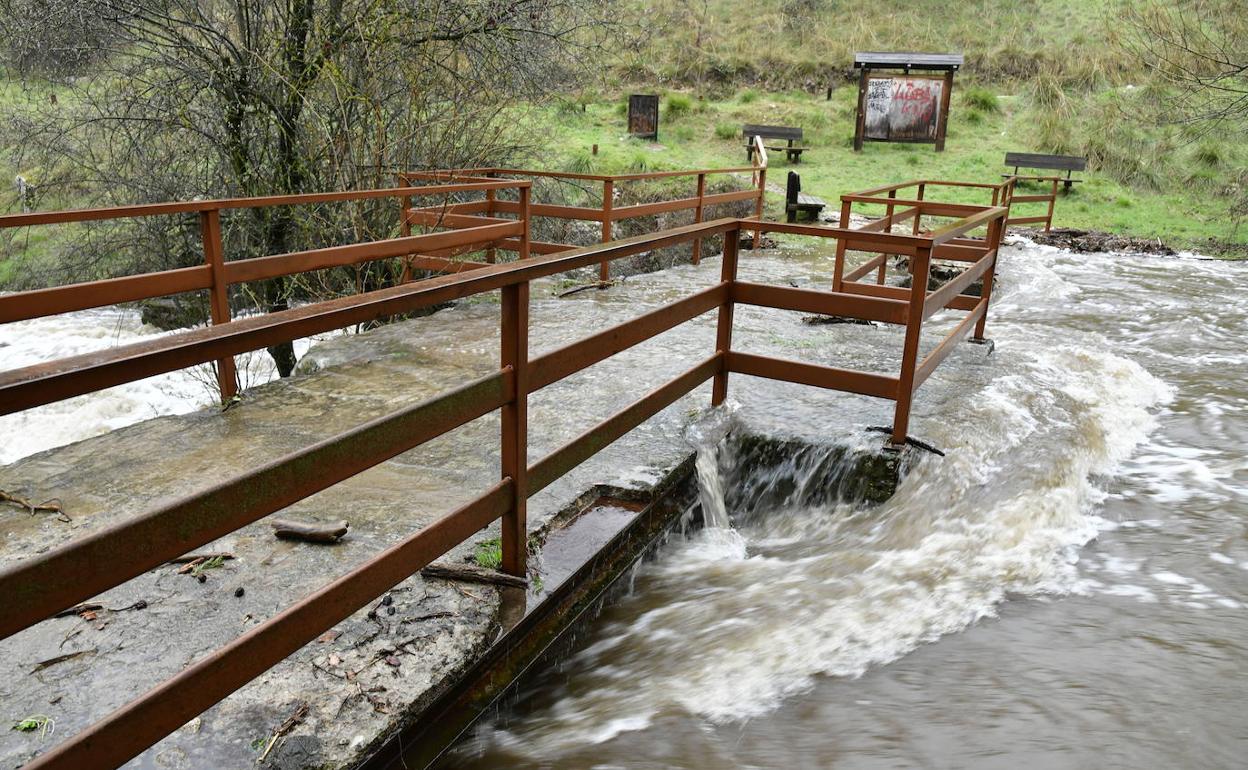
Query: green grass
{"points": [[489, 553], [1160, 200]]}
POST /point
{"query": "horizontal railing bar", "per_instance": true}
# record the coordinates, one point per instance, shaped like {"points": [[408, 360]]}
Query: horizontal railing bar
{"points": [[1031, 199], [861, 270], [856, 240], [536, 247], [582, 213], [888, 311], [658, 207], [74, 375], [937, 300], [467, 207], [128, 730], [890, 187], [938, 354], [830, 377], [554, 465], [185, 207], [963, 226], [259, 268], [896, 292], [37, 587], [959, 253], [558, 364], [640, 176], [884, 223], [443, 265], [38, 303], [1026, 220], [445, 219], [928, 207], [715, 199]]}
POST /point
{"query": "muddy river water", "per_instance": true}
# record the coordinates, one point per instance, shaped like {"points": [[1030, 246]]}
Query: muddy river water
{"points": [[1067, 588]]}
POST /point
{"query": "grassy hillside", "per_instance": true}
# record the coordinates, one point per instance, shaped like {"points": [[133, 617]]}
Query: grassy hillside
{"points": [[805, 43], [1132, 192]]}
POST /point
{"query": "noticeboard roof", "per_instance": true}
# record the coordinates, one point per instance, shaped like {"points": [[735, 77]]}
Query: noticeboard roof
{"points": [[907, 60]]}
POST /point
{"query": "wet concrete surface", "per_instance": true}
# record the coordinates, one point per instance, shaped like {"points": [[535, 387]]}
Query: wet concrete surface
{"points": [[386, 662]]}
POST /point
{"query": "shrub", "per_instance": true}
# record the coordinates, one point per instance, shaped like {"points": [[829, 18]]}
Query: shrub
{"points": [[981, 99], [748, 96], [726, 131], [677, 105]]}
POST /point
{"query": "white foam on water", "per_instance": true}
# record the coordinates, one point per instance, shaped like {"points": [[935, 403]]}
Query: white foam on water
{"points": [[39, 340], [727, 625]]}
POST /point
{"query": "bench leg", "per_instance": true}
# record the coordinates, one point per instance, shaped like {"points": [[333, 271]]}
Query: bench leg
{"points": [[791, 216]]}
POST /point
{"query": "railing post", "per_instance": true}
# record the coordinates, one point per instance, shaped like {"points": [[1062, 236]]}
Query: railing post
{"points": [[1048, 222], [219, 296], [697, 219], [515, 356], [838, 272], [405, 227], [758, 207], [918, 215], [526, 216], [491, 254], [608, 201], [723, 333], [920, 267], [888, 217], [996, 231]]}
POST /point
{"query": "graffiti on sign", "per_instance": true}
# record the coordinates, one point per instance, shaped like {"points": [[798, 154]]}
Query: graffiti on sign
{"points": [[903, 109]]}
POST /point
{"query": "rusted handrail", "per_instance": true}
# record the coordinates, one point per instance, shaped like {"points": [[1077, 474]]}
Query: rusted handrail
{"points": [[47, 583], [606, 213], [216, 275]]}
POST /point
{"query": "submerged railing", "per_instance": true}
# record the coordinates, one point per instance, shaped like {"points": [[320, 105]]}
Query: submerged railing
{"points": [[43, 585]]}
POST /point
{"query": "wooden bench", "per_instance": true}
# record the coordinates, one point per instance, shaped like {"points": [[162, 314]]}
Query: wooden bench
{"points": [[1033, 160], [792, 152], [797, 202]]}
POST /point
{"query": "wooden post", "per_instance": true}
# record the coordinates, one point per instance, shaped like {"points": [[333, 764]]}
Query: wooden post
{"points": [[405, 227], [608, 202], [888, 214], [1048, 222], [943, 125], [218, 296], [860, 122], [526, 216], [838, 272], [758, 207], [996, 234], [515, 356], [918, 215], [697, 218], [723, 334], [491, 254], [920, 267]]}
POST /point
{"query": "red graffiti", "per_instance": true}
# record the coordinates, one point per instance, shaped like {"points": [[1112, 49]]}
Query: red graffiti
{"points": [[917, 101]]}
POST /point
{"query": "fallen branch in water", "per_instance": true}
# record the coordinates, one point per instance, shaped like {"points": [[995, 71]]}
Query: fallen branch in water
{"points": [[470, 574], [585, 287], [190, 557], [312, 533]]}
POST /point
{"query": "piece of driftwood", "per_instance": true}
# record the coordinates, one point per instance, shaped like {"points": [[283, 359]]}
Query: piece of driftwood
{"points": [[78, 609], [468, 573], [312, 533], [190, 557]]}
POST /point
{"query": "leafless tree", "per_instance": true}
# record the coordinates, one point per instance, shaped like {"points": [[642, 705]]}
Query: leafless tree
{"points": [[254, 97]]}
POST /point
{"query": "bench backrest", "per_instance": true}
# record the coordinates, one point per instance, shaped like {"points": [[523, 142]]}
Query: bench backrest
{"points": [[772, 132], [1040, 160]]}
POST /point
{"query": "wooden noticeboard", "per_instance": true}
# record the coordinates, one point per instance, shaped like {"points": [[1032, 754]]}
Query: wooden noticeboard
{"points": [[904, 97], [902, 108], [643, 116]]}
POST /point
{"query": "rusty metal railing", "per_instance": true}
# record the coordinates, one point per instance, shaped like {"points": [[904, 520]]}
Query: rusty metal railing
{"points": [[217, 274], [43, 585], [607, 213]]}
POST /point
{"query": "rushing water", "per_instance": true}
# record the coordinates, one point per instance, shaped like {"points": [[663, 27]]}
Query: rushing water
{"points": [[1068, 587], [44, 339]]}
